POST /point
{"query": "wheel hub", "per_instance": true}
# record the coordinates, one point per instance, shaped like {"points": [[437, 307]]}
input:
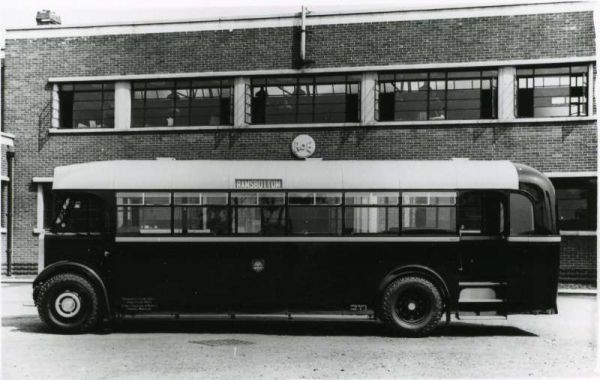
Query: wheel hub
{"points": [[412, 306], [67, 304]]}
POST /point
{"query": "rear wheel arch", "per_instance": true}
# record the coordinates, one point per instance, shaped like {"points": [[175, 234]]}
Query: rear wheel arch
{"points": [[419, 271], [63, 267]]}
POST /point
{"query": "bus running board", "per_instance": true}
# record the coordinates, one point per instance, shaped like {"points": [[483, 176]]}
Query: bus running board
{"points": [[497, 317], [481, 298]]}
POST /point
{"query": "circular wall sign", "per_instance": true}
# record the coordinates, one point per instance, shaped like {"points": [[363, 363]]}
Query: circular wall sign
{"points": [[303, 146]]}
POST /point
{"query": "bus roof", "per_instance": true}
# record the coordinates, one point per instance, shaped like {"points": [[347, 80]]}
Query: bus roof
{"points": [[164, 174]]}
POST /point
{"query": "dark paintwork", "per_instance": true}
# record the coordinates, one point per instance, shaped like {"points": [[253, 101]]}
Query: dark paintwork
{"points": [[308, 276]]}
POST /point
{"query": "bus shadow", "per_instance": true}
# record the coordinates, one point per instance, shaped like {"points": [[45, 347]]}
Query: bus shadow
{"points": [[32, 324]]}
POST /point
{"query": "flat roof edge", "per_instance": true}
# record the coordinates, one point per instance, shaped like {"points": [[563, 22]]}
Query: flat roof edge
{"points": [[265, 21]]}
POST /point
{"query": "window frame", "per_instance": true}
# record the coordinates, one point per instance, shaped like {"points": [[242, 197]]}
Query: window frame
{"points": [[483, 195], [580, 106], [592, 201], [444, 75], [234, 215], [340, 204], [258, 105], [170, 206], [104, 104], [454, 206], [224, 83], [87, 198], [397, 206]]}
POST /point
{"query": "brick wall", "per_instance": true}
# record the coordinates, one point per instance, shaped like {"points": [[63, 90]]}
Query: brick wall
{"points": [[578, 259]]}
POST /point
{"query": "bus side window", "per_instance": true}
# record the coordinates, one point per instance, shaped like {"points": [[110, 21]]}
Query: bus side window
{"points": [[470, 213], [481, 213], [521, 215], [428, 212]]}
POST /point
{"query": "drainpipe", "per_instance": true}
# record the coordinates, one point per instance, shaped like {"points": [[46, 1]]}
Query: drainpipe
{"points": [[303, 35], [10, 156], [303, 60]]}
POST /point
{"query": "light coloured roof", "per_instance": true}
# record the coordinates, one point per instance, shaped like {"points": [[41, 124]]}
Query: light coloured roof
{"points": [[309, 174]]}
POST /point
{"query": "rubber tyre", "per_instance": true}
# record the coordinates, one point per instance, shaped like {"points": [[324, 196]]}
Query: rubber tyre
{"points": [[408, 292], [84, 320]]}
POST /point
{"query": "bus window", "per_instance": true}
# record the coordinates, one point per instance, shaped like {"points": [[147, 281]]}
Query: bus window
{"points": [[200, 213], [144, 213], [78, 213], [429, 212], [521, 215], [258, 213], [470, 213], [371, 213], [315, 213], [481, 213]]}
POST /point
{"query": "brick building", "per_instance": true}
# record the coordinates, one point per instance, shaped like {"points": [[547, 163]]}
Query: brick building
{"points": [[495, 82]]}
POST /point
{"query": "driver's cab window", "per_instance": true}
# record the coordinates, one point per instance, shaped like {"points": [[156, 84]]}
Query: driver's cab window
{"points": [[481, 213], [78, 213]]}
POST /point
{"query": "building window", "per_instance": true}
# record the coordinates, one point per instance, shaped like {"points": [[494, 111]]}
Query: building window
{"points": [[306, 99], [444, 95], [577, 200], [552, 91], [87, 105], [181, 103]]}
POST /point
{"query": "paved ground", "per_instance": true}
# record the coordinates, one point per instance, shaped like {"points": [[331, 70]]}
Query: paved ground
{"points": [[563, 345]]}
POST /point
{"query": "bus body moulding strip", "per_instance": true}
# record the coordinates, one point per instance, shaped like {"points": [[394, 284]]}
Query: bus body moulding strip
{"points": [[326, 70], [534, 239], [286, 239], [287, 20], [571, 174], [578, 233]]}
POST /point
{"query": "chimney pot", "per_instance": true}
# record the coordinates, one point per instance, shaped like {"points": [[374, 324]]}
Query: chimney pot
{"points": [[47, 17]]}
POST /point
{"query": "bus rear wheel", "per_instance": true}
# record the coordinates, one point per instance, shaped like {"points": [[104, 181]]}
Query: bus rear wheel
{"points": [[411, 306], [68, 303]]}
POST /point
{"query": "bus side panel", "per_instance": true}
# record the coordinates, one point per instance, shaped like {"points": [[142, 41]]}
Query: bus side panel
{"points": [[261, 276], [83, 249], [533, 277]]}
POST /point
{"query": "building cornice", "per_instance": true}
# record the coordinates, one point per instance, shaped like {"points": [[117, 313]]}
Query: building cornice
{"points": [[231, 24]]}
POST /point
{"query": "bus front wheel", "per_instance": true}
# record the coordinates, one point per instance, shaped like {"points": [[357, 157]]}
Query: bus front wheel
{"points": [[68, 303], [411, 306]]}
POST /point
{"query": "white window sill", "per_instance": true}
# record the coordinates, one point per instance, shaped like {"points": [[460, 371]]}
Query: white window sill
{"points": [[198, 127], [578, 233], [3, 230], [320, 125], [488, 121]]}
